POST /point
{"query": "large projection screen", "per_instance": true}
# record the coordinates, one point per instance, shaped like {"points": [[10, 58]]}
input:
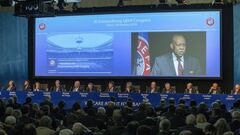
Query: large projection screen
{"points": [[157, 44]]}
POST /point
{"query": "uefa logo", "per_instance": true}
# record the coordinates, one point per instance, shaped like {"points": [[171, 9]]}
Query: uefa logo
{"points": [[52, 62], [42, 26], [210, 21]]}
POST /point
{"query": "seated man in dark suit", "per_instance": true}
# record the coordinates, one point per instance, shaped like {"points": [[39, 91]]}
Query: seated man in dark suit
{"points": [[236, 90], [91, 88], [58, 87], [190, 89], [129, 88], [77, 87], [111, 87], [176, 63], [153, 88], [37, 87], [215, 89], [27, 86], [168, 89], [11, 86]]}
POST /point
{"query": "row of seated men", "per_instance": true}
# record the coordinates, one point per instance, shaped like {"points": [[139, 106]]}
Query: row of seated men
{"points": [[167, 89]]}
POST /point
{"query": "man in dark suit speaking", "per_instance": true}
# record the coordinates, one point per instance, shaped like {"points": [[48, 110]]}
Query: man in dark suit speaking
{"points": [[176, 63]]}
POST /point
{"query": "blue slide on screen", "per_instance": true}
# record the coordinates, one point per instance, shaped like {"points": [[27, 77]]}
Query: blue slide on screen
{"points": [[133, 44]]}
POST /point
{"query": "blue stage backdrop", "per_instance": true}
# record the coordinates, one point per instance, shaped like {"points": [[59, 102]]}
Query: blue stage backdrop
{"points": [[237, 43], [14, 48]]}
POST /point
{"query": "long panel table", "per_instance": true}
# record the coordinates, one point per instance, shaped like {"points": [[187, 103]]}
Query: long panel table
{"points": [[102, 99]]}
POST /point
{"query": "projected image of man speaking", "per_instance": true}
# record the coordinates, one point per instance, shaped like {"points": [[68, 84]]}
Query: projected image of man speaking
{"points": [[176, 62]]}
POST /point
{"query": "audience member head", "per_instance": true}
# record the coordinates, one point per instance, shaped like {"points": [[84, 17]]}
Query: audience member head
{"points": [[201, 118], [45, 121], [17, 114], [101, 111], [35, 107], [221, 126], [210, 130], [76, 106], [190, 119], [9, 111], [117, 116], [164, 125], [144, 130], [132, 127], [228, 133], [10, 120], [130, 102], [236, 115], [171, 101], [29, 129], [2, 132], [181, 101], [25, 109], [185, 132], [45, 109], [193, 103], [78, 128], [61, 104], [89, 103], [28, 100], [66, 132]]}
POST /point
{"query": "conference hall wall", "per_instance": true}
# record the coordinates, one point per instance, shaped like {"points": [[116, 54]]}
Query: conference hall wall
{"points": [[225, 81], [14, 49], [236, 12]]}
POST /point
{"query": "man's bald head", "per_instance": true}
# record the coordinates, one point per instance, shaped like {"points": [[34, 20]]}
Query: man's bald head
{"points": [[178, 45]]}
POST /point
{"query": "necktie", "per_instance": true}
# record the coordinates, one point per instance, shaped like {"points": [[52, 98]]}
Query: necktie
{"points": [[180, 67]]}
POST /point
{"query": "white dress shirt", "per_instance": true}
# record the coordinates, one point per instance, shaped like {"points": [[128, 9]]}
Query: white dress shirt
{"points": [[175, 62]]}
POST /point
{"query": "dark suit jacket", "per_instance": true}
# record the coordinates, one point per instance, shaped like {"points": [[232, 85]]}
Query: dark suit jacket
{"points": [[218, 91], [28, 88], [171, 91], [194, 130], [164, 66], [194, 91]]}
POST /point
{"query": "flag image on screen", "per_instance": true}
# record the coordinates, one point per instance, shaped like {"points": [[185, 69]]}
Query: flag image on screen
{"points": [[143, 67], [80, 53]]}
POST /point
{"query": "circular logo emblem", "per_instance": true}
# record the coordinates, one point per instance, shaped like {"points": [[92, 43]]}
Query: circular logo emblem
{"points": [[42, 26], [52, 62], [210, 21]]}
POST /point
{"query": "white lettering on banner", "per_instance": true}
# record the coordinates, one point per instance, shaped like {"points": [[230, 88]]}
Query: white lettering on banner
{"points": [[65, 94], [12, 93], [104, 95], [123, 95], [186, 97], [84, 94], [46, 94], [164, 96], [30, 94], [207, 97], [230, 97]]}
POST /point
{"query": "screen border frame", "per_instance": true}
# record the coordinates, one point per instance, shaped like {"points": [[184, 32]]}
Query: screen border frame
{"points": [[32, 44]]}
